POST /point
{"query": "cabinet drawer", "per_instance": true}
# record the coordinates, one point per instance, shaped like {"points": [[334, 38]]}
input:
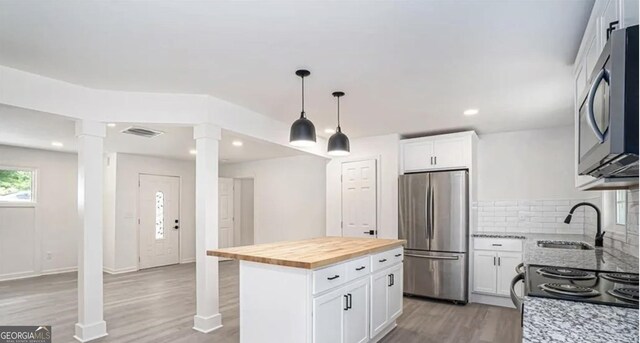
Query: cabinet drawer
{"points": [[497, 244], [358, 268], [386, 259], [330, 277]]}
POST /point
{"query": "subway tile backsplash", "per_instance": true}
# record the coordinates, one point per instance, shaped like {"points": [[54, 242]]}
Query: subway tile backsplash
{"points": [[529, 216]]}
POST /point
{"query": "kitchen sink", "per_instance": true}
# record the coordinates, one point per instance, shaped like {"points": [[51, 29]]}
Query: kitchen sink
{"points": [[565, 245]]}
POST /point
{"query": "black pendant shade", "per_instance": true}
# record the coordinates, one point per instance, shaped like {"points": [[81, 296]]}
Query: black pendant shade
{"points": [[303, 132], [338, 142]]}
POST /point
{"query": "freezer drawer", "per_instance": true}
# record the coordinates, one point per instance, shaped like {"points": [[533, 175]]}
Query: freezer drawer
{"points": [[436, 275]]}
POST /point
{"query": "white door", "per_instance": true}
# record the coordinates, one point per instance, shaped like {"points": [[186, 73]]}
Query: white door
{"points": [[159, 220], [356, 317], [449, 153], [507, 262], [395, 293], [484, 271], [359, 204], [328, 317], [379, 302], [225, 213]]}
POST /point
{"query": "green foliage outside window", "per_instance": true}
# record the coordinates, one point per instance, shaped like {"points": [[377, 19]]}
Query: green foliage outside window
{"points": [[15, 185]]}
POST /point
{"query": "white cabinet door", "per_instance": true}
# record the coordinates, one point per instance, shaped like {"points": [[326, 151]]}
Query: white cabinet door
{"points": [[484, 271], [450, 153], [395, 293], [379, 302], [359, 198], [356, 318], [610, 15], [507, 262], [417, 156], [328, 314]]}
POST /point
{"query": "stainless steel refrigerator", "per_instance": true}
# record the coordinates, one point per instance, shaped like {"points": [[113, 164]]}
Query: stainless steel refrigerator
{"points": [[434, 219]]}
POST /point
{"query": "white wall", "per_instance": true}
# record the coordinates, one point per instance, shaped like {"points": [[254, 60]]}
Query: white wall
{"points": [[28, 234], [527, 165], [129, 167], [386, 150], [289, 196]]}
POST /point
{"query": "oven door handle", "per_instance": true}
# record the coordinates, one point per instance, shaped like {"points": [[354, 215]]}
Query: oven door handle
{"points": [[602, 75], [518, 301], [520, 268]]}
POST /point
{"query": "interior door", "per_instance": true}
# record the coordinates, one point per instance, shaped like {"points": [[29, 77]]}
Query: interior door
{"points": [[159, 220], [225, 213], [449, 211], [413, 204], [356, 318], [359, 199]]}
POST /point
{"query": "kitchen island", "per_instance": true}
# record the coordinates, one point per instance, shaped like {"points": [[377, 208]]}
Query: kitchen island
{"points": [[328, 289]]}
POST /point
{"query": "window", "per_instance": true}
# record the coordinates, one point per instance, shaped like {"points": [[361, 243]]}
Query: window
{"points": [[17, 185], [621, 207], [159, 215]]}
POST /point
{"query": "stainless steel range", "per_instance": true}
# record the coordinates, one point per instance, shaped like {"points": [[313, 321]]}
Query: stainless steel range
{"points": [[609, 288]]}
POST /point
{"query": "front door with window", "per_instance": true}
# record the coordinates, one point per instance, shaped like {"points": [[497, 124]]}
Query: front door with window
{"points": [[159, 215]]}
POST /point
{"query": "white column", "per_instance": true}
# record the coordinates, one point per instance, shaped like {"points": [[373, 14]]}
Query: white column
{"points": [[90, 183], [207, 316]]}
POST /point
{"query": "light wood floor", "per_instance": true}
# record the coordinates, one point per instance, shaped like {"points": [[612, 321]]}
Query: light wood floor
{"points": [[157, 305]]}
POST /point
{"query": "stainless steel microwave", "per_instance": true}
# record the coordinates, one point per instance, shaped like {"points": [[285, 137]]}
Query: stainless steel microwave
{"points": [[608, 114]]}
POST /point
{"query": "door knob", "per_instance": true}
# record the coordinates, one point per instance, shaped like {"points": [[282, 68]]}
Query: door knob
{"points": [[371, 232]]}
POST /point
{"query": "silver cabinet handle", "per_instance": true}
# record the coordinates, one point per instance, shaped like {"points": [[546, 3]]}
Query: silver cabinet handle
{"points": [[602, 75], [518, 301], [434, 257], [520, 268]]}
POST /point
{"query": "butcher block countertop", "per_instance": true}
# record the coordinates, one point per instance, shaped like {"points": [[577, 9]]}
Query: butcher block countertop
{"points": [[310, 253]]}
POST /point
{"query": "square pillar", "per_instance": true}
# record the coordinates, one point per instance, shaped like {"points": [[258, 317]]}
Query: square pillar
{"points": [[207, 316], [91, 324]]}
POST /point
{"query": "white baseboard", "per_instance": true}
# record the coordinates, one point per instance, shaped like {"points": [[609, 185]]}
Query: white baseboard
{"points": [[19, 275], [491, 300], [188, 260], [120, 271], [59, 270]]}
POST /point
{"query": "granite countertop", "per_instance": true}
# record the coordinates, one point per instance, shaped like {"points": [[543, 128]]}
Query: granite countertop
{"points": [[605, 259], [309, 253], [561, 321]]}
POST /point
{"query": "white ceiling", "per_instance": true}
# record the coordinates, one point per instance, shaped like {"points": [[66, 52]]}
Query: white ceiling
{"points": [[407, 66], [38, 130]]}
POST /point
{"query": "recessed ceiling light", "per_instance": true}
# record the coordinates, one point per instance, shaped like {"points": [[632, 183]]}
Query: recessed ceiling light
{"points": [[329, 131], [193, 151], [111, 125], [470, 112], [57, 144], [237, 143]]}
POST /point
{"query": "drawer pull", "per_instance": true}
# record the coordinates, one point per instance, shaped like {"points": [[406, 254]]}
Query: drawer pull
{"points": [[398, 255], [497, 245], [383, 260], [360, 268], [333, 277]]}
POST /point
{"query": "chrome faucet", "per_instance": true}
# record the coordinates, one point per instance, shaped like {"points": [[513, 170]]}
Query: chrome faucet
{"points": [[599, 234]]}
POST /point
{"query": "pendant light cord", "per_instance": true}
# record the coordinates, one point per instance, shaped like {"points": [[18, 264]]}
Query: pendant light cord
{"points": [[302, 114], [338, 113]]}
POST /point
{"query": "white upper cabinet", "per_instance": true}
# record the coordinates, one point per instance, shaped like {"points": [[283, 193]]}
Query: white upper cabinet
{"points": [[449, 151]]}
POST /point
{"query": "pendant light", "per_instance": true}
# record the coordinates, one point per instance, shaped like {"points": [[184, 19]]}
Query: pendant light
{"points": [[303, 133], [338, 142]]}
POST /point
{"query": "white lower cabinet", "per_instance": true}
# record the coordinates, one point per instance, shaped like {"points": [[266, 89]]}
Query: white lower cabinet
{"points": [[356, 318], [386, 298], [493, 267]]}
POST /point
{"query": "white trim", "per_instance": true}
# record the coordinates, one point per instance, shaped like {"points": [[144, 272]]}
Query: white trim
{"points": [[188, 260], [34, 187], [119, 271], [33, 273]]}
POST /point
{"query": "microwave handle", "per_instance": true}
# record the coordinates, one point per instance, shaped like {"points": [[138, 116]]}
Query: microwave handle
{"points": [[602, 75]]}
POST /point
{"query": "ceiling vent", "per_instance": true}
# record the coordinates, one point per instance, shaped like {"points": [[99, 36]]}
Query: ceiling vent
{"points": [[142, 132]]}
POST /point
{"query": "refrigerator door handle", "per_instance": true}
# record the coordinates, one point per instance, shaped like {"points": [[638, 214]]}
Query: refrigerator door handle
{"points": [[432, 209], [434, 257], [427, 214]]}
